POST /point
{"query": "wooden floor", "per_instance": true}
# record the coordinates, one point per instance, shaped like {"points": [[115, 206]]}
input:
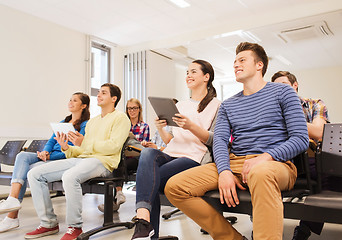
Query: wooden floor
{"points": [[178, 225]]}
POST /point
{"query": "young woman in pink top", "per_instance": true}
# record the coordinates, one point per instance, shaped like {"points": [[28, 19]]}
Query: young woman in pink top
{"points": [[187, 147]]}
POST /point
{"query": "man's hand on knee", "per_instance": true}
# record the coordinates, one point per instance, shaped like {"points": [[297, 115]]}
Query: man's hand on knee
{"points": [[227, 186], [250, 163]]}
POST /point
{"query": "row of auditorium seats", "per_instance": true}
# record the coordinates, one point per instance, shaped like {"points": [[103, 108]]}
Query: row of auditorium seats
{"points": [[9, 152], [307, 201]]}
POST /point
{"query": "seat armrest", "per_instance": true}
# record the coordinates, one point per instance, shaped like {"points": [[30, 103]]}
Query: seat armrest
{"points": [[133, 148]]}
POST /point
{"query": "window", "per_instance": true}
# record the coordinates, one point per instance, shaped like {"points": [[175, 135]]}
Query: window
{"points": [[227, 87], [100, 55]]}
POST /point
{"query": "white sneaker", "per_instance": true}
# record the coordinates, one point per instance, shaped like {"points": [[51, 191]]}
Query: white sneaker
{"points": [[115, 207], [8, 224], [120, 198], [9, 205]]}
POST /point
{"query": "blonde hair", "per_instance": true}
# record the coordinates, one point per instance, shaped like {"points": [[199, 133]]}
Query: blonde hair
{"points": [[137, 102]]}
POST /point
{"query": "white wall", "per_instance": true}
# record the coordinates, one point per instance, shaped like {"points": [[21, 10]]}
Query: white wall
{"points": [[326, 84], [164, 79], [182, 91], [41, 64]]}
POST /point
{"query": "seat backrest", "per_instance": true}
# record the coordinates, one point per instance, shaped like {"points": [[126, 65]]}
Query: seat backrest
{"points": [[36, 145], [10, 150], [122, 168], [304, 183], [331, 153], [299, 162]]}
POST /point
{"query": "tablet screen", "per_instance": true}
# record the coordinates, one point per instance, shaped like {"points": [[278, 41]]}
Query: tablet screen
{"points": [[62, 127], [165, 109]]}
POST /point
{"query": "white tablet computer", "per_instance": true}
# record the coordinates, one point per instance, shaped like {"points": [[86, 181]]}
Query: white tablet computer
{"points": [[62, 127], [165, 109]]}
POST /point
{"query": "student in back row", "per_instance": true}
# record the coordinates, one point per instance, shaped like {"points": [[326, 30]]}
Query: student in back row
{"points": [[269, 129], [79, 108], [315, 110], [316, 115], [98, 155]]}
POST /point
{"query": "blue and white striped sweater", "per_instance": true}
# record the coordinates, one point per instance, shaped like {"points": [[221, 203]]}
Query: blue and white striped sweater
{"points": [[270, 120]]}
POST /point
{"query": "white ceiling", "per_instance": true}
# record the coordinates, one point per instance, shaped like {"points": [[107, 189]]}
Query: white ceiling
{"points": [[318, 51], [202, 28]]}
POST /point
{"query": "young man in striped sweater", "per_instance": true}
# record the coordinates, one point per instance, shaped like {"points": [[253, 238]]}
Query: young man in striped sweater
{"points": [[269, 129]]}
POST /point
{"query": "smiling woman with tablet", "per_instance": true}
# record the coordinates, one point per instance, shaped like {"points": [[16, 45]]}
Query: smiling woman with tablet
{"points": [[79, 108], [187, 147]]}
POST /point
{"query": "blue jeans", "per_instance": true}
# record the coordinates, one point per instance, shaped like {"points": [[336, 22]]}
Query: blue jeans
{"points": [[154, 169], [24, 161], [73, 172]]}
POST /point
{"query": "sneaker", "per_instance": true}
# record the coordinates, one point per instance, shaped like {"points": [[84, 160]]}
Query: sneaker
{"points": [[143, 230], [300, 233], [120, 198], [9, 205], [8, 224], [72, 233], [41, 232], [115, 207]]}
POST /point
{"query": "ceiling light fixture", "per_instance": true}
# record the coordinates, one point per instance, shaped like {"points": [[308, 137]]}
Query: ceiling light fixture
{"points": [[283, 60], [246, 35], [228, 34], [242, 3], [251, 36], [180, 3]]}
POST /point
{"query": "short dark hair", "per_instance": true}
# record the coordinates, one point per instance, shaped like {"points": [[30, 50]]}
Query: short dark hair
{"points": [[114, 92], [259, 52], [292, 78]]}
